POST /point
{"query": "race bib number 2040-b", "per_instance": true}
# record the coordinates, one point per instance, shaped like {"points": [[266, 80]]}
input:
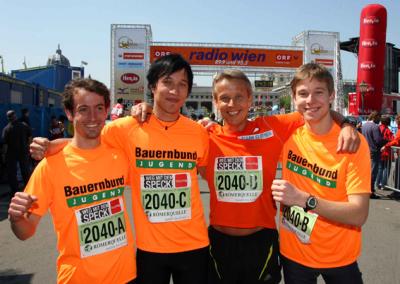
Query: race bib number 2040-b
{"points": [[238, 179], [298, 221]]}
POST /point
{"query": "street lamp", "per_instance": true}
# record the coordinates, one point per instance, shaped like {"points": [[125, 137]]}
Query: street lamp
{"points": [[363, 87]]}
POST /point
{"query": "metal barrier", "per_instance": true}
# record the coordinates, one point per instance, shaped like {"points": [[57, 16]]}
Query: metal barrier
{"points": [[393, 166]]}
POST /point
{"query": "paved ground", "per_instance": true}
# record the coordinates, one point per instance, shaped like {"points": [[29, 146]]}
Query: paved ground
{"points": [[33, 261]]}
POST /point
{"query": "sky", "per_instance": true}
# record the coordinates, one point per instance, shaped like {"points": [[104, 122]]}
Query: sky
{"points": [[33, 29]]}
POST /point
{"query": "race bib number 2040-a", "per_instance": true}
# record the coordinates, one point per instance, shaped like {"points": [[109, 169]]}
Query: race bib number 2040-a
{"points": [[101, 227]]}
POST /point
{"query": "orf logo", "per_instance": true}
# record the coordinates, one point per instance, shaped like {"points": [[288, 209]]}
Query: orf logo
{"points": [[283, 57], [130, 78]]}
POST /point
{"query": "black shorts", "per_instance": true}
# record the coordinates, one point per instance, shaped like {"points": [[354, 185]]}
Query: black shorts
{"points": [[248, 259], [185, 267], [296, 273]]}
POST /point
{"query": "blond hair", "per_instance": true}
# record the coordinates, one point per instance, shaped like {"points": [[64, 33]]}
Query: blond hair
{"points": [[231, 74]]}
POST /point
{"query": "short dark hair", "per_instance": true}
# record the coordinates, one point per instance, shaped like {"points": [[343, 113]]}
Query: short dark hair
{"points": [[385, 120], [374, 116], [120, 100], [166, 66], [88, 85], [24, 111], [312, 71]]}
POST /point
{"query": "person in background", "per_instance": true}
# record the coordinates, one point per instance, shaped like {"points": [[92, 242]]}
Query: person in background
{"points": [[56, 128], [388, 136], [371, 132], [213, 117], [395, 154], [323, 195], [25, 117], [16, 136], [63, 121], [359, 126], [117, 110]]}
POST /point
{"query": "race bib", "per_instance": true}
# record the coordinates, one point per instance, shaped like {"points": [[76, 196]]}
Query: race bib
{"points": [[101, 227], [298, 221], [166, 197], [238, 179]]}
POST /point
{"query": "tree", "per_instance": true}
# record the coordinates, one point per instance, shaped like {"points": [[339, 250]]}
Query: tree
{"points": [[285, 102]]}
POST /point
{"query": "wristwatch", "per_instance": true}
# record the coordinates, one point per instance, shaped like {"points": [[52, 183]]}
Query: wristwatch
{"points": [[350, 120], [311, 203]]}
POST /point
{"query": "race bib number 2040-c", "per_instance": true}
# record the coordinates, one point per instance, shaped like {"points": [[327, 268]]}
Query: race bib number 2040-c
{"points": [[166, 197]]}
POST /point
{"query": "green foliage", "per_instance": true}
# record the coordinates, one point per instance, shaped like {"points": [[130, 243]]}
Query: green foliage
{"points": [[284, 102]]}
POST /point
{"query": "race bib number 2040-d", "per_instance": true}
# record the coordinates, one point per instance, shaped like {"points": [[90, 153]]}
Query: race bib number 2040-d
{"points": [[101, 227], [166, 197], [238, 179]]}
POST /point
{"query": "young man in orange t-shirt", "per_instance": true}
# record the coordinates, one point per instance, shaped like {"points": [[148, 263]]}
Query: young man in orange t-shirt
{"points": [[83, 188], [324, 195], [165, 154]]}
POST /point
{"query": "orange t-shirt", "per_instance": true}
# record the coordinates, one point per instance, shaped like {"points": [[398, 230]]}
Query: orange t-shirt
{"points": [[310, 162], [166, 201], [84, 191], [241, 167]]}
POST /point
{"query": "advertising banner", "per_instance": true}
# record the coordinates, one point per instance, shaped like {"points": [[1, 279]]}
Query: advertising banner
{"points": [[371, 56], [229, 56], [129, 64], [322, 49]]}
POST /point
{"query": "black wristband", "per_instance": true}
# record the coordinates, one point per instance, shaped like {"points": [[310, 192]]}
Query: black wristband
{"points": [[349, 120]]}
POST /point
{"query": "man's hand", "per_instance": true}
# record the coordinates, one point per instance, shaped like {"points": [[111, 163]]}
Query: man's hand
{"points": [[141, 111], [349, 140], [19, 206], [287, 194], [206, 122], [38, 147]]}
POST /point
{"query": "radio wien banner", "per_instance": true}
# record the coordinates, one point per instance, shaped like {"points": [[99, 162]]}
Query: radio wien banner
{"points": [[226, 56], [129, 64]]}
